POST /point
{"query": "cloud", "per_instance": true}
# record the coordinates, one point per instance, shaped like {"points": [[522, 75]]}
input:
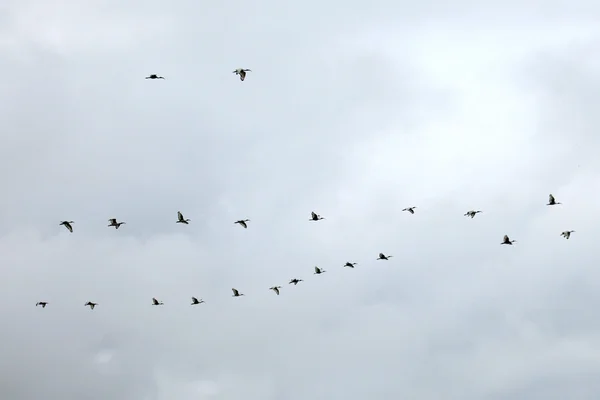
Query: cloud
{"points": [[354, 112]]}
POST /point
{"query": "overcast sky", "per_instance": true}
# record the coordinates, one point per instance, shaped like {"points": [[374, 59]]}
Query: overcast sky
{"points": [[355, 110]]}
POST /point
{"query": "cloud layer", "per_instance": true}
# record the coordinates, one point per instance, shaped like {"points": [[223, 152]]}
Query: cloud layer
{"points": [[352, 110]]}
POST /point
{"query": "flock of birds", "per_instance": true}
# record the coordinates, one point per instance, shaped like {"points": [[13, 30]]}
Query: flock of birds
{"points": [[313, 217]]}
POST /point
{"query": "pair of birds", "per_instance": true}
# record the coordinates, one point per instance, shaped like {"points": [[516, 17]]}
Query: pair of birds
{"points": [[239, 71], [113, 222], [195, 301]]}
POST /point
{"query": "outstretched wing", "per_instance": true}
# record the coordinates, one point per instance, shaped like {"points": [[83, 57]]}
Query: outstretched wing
{"points": [[551, 199], [235, 292], [179, 216]]}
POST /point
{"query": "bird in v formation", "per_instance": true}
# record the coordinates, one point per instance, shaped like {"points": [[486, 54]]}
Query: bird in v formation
{"points": [[318, 271]]}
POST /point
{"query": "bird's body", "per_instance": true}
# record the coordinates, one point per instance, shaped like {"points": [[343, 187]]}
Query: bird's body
{"points": [[506, 240], [181, 220], [552, 201], [349, 265], [41, 303], [315, 217], [236, 293], [156, 302], [113, 222], [242, 73], [319, 271], [91, 304], [566, 234], [384, 257], [471, 213], [410, 209], [242, 222], [154, 76], [296, 281], [67, 224], [196, 301], [275, 289]]}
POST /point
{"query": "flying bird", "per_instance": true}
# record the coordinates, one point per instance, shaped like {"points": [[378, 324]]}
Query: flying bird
{"points": [[349, 265], [384, 257], [566, 234], [196, 301], [236, 293], [68, 225], [319, 271], [275, 289], [506, 240], [314, 216], [113, 222], [154, 76], [410, 209], [180, 219], [296, 281], [552, 201], [242, 222], [41, 303], [156, 302], [242, 73], [471, 213], [92, 305]]}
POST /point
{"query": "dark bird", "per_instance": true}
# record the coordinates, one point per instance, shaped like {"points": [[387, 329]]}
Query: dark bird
{"points": [[41, 303], [92, 305], [296, 281], [275, 289], [566, 234], [319, 271], [384, 257], [552, 201], [196, 301], [472, 213], [506, 240], [349, 265], [242, 73], [113, 222], [68, 225], [314, 216], [236, 293], [242, 222], [410, 209], [154, 76], [156, 302], [180, 219]]}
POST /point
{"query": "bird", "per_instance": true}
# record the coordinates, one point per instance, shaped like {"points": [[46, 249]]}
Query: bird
{"points": [[552, 201], [154, 76], [242, 73], [156, 302], [41, 303], [384, 257], [314, 216], [236, 293], [566, 234], [275, 289], [410, 209], [196, 301], [506, 240], [68, 225], [296, 281], [349, 265], [113, 222], [242, 222], [319, 271], [471, 213], [180, 219], [92, 305]]}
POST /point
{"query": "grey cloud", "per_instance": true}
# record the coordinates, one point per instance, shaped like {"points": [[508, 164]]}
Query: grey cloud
{"points": [[341, 115]]}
